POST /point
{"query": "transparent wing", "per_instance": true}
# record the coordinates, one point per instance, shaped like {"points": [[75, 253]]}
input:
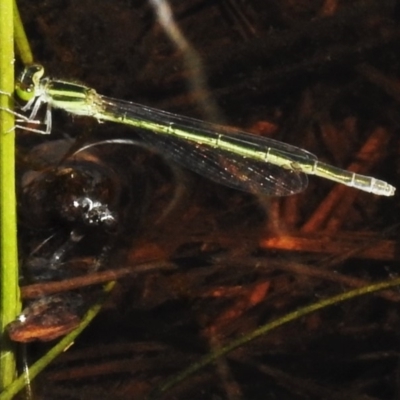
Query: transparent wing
{"points": [[228, 169], [222, 154]]}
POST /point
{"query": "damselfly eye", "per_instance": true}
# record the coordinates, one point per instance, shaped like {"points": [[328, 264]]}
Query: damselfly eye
{"points": [[28, 81], [32, 74]]}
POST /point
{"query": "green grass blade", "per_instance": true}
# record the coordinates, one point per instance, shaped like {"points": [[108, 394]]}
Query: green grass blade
{"points": [[21, 41], [9, 299], [163, 387]]}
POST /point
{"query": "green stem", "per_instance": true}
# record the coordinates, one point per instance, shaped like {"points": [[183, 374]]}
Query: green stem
{"points": [[21, 41], [9, 295]]}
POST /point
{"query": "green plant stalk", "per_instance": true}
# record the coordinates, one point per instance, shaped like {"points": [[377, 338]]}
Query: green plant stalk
{"points": [[9, 295], [21, 41]]}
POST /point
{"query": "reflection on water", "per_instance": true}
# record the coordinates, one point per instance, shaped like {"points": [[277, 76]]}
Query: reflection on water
{"points": [[77, 209]]}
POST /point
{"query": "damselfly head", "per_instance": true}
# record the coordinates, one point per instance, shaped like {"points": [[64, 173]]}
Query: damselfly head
{"points": [[28, 81]]}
